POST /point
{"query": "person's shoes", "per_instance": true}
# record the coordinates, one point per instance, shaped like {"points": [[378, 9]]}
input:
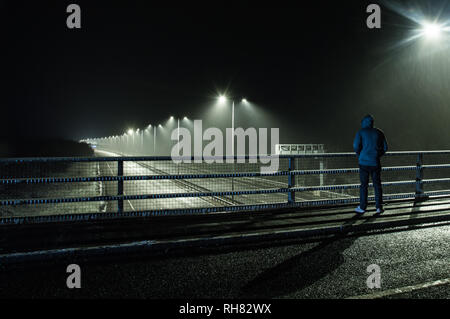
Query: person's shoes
{"points": [[359, 210], [379, 211]]}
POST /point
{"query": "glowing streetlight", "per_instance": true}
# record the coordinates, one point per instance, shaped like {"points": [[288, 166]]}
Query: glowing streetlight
{"points": [[431, 30], [222, 99]]}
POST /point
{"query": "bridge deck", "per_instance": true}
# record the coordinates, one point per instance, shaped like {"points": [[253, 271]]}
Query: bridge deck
{"points": [[19, 242]]}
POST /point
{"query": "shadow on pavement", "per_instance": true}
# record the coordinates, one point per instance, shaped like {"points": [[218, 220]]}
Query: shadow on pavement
{"points": [[303, 269]]}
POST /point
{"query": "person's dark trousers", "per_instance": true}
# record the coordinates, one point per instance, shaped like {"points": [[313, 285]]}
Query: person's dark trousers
{"points": [[375, 172]]}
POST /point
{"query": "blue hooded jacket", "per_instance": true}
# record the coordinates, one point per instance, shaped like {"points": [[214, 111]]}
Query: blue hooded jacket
{"points": [[369, 143]]}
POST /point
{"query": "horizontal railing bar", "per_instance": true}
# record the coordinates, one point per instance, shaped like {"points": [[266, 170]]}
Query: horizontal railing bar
{"points": [[435, 180], [134, 178], [350, 186], [15, 202], [348, 170], [347, 186], [193, 158], [49, 180], [353, 186], [202, 210], [135, 197], [436, 166]]}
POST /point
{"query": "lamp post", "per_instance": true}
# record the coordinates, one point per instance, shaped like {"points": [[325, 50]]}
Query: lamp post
{"points": [[178, 140], [154, 139], [130, 132], [178, 137], [178, 131], [147, 130], [222, 100], [142, 142], [178, 134]]}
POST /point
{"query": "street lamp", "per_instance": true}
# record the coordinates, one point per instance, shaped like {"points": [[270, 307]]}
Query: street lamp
{"points": [[129, 133], [141, 146], [185, 118], [154, 138], [222, 99], [178, 136], [431, 30]]}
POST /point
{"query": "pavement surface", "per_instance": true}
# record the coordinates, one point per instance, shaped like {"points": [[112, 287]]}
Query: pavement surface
{"points": [[331, 267]]}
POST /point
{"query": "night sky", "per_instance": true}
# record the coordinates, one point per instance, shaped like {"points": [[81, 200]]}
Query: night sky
{"points": [[313, 68]]}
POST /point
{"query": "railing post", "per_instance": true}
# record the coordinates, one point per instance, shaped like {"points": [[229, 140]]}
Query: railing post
{"points": [[291, 181], [232, 181], [321, 167], [120, 185], [419, 176]]}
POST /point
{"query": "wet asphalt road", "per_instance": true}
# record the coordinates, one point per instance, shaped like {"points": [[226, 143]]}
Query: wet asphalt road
{"points": [[330, 268]]}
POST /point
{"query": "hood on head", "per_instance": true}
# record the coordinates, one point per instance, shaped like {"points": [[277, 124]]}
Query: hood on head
{"points": [[367, 121]]}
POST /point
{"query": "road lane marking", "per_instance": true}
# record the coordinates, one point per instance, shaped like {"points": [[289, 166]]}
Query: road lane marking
{"points": [[402, 290]]}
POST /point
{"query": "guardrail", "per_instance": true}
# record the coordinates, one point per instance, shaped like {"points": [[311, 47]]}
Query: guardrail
{"points": [[68, 189]]}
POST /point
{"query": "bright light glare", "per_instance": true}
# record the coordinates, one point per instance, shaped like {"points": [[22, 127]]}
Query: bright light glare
{"points": [[130, 131], [185, 118], [431, 30], [244, 100], [222, 99]]}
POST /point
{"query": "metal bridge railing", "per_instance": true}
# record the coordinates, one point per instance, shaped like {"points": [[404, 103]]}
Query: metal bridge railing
{"points": [[60, 189]]}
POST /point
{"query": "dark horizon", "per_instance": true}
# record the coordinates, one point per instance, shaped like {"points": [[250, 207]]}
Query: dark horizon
{"points": [[313, 70]]}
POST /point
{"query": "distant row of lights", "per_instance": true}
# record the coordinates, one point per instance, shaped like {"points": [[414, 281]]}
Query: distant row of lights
{"points": [[221, 99]]}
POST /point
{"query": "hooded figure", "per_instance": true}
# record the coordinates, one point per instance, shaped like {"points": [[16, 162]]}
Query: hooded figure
{"points": [[369, 144]]}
